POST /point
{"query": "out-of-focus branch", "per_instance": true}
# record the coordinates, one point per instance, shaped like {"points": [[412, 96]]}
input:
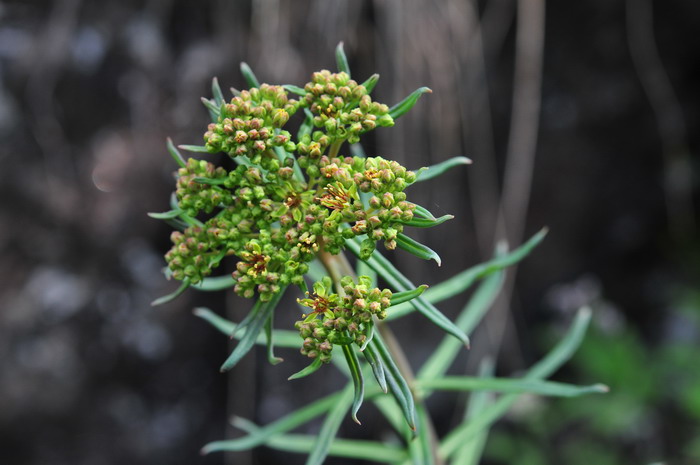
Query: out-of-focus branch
{"points": [[669, 117]]}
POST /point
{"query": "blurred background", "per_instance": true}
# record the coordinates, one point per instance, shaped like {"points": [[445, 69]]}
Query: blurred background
{"points": [[580, 116]]}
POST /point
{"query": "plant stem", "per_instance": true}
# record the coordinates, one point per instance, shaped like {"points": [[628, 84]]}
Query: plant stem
{"points": [[338, 266]]}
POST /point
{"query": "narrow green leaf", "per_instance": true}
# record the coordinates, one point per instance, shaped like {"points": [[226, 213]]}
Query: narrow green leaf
{"points": [[175, 153], [375, 362], [400, 283], [295, 89], [420, 450], [283, 338], [423, 212], [269, 337], [509, 385], [431, 172], [194, 148], [216, 92], [286, 423], [405, 296], [371, 82], [372, 451], [396, 382], [210, 181], [166, 215], [216, 283], [469, 317], [406, 104], [307, 125], [548, 365], [416, 248], [464, 280], [249, 76], [471, 451], [426, 223], [252, 331], [357, 379], [173, 295], [311, 368], [214, 109], [341, 60], [330, 427]]}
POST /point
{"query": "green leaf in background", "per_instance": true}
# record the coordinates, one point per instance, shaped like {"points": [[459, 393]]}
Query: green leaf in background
{"points": [[216, 283], [166, 215], [426, 223], [283, 338], [357, 379], [396, 382], [173, 295], [371, 82], [249, 76], [214, 109], [416, 248], [550, 363], [423, 212], [342, 60], [307, 126], [216, 92], [509, 385], [330, 427], [406, 104], [375, 362], [371, 451], [252, 330], [431, 172], [311, 368], [194, 148], [175, 153], [295, 89], [420, 449]]}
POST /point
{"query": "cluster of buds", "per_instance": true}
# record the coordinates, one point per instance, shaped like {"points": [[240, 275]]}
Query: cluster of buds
{"points": [[193, 254], [194, 196], [343, 318], [250, 124], [342, 107]]}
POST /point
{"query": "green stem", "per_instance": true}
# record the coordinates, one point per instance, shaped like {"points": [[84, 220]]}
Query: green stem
{"points": [[338, 266], [335, 148]]}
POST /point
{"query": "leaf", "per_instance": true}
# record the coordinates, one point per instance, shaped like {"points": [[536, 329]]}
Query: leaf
{"points": [[400, 283], [423, 212], [405, 296], [269, 337], [371, 82], [330, 427], [357, 379], [252, 331], [311, 368], [436, 170], [210, 181], [406, 104], [216, 283], [341, 60], [509, 385], [375, 362], [175, 153], [426, 223], [172, 296], [286, 423], [249, 76], [194, 148], [548, 365], [295, 89], [165, 215], [472, 313], [216, 92], [287, 339], [416, 248], [214, 109], [307, 125], [396, 382], [372, 451], [420, 450]]}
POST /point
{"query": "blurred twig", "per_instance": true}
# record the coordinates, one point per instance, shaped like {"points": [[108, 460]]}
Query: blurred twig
{"points": [[669, 117]]}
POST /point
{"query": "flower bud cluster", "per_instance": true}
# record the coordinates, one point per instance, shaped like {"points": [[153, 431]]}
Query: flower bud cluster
{"points": [[340, 319], [192, 255], [250, 124], [194, 196], [342, 107]]}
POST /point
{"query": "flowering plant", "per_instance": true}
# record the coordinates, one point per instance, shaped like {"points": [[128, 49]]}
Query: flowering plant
{"points": [[294, 202]]}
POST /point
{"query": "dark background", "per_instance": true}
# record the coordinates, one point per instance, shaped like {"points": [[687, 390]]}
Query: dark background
{"points": [[89, 91]]}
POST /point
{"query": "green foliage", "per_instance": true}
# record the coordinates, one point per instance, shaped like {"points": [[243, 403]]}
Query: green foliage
{"points": [[287, 211]]}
